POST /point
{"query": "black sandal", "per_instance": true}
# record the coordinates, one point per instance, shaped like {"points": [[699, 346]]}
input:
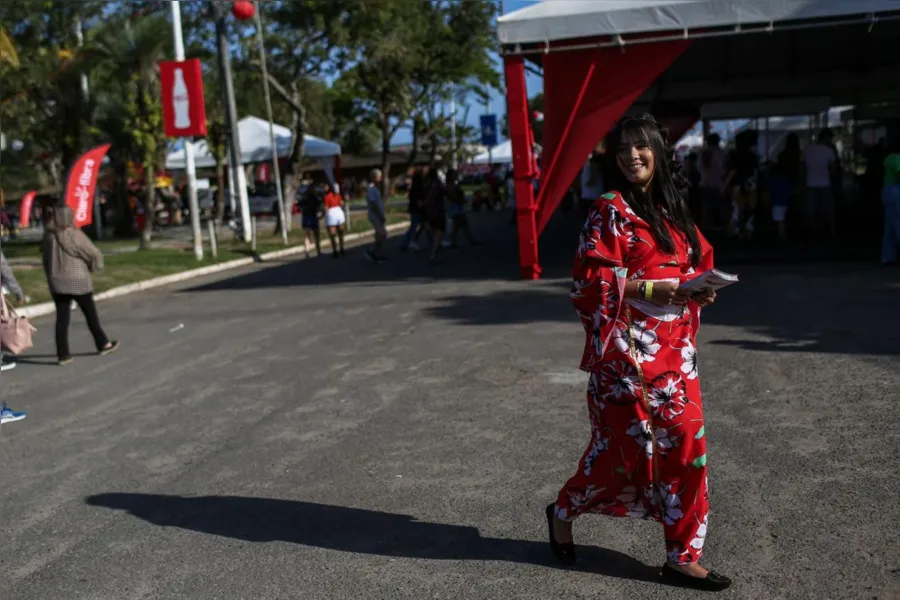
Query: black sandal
{"points": [[713, 582], [564, 553]]}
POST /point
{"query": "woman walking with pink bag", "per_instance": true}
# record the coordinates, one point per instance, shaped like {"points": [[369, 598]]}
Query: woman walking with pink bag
{"points": [[8, 281], [69, 260]]}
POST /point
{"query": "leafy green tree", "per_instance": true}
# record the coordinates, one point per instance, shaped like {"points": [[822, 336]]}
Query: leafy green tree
{"points": [[8, 54], [129, 53], [411, 54], [43, 102]]}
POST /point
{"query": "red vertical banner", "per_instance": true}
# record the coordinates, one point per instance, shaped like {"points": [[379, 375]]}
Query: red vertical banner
{"points": [[184, 111], [25, 208], [81, 185]]}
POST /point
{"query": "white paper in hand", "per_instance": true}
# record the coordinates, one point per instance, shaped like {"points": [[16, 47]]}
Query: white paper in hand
{"points": [[712, 280]]}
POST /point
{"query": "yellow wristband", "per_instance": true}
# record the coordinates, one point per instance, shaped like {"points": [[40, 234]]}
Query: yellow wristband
{"points": [[648, 290]]}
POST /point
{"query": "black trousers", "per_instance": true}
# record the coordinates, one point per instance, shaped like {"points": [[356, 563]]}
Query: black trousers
{"points": [[63, 316]]}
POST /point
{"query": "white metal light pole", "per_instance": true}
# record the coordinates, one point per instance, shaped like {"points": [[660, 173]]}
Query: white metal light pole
{"points": [[487, 111], [275, 168], [190, 169]]}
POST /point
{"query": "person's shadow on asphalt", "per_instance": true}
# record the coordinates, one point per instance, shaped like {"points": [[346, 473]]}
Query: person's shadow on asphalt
{"points": [[354, 530]]}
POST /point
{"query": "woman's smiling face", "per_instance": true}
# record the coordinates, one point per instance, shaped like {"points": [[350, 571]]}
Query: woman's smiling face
{"points": [[636, 160]]}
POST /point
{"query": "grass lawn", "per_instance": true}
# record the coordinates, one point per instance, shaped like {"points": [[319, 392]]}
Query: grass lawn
{"points": [[130, 267], [32, 249]]}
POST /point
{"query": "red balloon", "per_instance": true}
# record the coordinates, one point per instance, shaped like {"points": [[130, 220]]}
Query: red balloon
{"points": [[242, 10]]}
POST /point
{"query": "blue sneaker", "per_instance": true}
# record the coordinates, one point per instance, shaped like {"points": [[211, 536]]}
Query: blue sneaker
{"points": [[8, 415]]}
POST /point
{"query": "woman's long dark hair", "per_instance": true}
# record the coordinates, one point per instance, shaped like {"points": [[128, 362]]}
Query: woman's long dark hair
{"points": [[666, 188]]}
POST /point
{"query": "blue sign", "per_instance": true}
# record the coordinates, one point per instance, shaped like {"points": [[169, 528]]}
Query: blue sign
{"points": [[489, 130]]}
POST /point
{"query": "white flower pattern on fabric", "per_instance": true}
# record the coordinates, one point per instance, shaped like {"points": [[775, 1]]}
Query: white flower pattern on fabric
{"points": [[689, 359], [679, 556], [633, 502], [594, 392], [578, 500], [599, 444], [619, 381], [671, 504], [667, 395], [700, 538], [664, 440], [646, 342], [617, 223], [640, 431]]}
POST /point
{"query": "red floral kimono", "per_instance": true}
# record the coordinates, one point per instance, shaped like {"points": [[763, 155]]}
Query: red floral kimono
{"points": [[647, 453]]}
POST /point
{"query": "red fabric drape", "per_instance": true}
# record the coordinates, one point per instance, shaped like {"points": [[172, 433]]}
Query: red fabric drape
{"points": [[585, 92], [524, 165]]}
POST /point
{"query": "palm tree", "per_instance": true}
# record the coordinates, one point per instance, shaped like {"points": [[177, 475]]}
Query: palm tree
{"points": [[8, 54], [129, 53]]}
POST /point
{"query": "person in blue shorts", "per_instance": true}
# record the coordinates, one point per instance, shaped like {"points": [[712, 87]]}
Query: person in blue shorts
{"points": [[310, 208]]}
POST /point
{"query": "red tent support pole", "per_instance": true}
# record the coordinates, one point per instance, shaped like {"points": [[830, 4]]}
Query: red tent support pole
{"points": [[523, 165]]}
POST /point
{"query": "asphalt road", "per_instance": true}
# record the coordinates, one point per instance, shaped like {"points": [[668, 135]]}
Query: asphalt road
{"points": [[337, 429]]}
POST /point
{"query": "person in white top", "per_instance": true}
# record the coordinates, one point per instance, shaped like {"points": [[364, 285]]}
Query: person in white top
{"points": [[819, 165], [377, 218]]}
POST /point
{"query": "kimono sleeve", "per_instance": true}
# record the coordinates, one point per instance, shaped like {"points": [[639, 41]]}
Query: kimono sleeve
{"points": [[706, 263], [599, 275], [706, 254]]}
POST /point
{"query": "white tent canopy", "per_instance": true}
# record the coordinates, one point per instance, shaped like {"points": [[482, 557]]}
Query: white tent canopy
{"points": [[690, 140], [501, 154], [256, 147], [552, 20]]}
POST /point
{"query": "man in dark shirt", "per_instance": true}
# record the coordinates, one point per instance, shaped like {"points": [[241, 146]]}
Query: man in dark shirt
{"points": [[310, 207]]}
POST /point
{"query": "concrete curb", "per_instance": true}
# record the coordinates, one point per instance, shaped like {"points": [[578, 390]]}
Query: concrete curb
{"points": [[46, 308]]}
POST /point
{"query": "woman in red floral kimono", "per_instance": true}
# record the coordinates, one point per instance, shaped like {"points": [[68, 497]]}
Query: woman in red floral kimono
{"points": [[647, 453]]}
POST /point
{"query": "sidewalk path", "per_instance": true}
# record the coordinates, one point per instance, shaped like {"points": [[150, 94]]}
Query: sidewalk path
{"points": [[336, 429]]}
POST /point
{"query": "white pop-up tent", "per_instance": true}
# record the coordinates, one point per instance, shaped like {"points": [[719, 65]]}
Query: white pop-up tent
{"points": [[256, 146], [501, 154]]}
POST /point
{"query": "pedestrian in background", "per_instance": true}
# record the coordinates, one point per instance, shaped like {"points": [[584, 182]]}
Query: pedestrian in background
{"points": [[456, 197], [9, 283], [377, 217], [434, 211], [416, 199], [69, 259], [335, 219], [310, 207]]}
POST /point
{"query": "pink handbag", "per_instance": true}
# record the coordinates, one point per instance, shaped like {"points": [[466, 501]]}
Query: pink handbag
{"points": [[15, 331]]}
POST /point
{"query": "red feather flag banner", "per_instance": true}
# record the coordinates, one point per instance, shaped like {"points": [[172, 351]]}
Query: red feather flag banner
{"points": [[81, 185]]}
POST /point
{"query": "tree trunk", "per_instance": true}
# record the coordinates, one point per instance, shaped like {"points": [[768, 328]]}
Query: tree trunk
{"points": [[220, 190], [414, 150], [149, 203], [124, 218], [385, 159], [432, 154], [291, 180]]}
